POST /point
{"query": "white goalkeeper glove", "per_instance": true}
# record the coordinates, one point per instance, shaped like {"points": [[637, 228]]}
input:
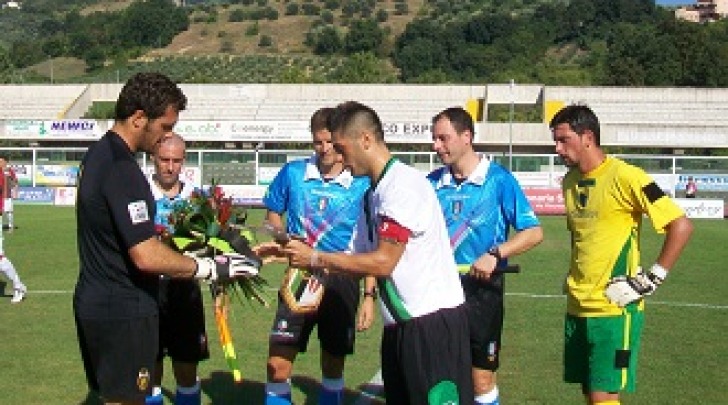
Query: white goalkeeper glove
{"points": [[224, 267], [624, 290]]}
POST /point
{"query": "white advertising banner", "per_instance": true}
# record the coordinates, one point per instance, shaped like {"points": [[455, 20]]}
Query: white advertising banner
{"points": [[64, 196], [702, 208], [245, 194], [66, 129], [211, 130]]}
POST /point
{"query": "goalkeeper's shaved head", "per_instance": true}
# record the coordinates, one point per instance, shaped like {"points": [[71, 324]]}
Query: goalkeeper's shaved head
{"points": [[352, 119], [171, 139]]}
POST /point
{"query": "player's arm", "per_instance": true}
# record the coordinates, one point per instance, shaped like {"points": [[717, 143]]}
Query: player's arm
{"points": [[153, 256], [521, 242], [366, 310], [677, 235], [625, 290], [274, 218], [378, 263]]}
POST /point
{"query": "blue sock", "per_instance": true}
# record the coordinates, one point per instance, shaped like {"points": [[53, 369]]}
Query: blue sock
{"points": [[278, 393], [188, 395], [156, 398], [188, 398], [331, 391], [274, 400]]}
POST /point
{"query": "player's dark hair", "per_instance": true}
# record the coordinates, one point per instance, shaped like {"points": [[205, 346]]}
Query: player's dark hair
{"points": [[580, 118], [352, 116], [319, 119], [149, 92], [460, 119]]}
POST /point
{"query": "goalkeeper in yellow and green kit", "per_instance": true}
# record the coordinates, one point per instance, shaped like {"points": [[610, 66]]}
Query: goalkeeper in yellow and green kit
{"points": [[605, 201]]}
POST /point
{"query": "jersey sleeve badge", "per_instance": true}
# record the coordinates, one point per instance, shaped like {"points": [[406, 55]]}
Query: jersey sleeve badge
{"points": [[138, 212]]}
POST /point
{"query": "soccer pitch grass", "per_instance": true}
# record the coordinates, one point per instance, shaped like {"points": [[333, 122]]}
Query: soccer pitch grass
{"points": [[682, 359]]}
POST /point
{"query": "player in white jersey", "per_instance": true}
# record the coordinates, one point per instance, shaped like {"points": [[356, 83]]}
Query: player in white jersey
{"points": [[6, 266], [402, 240]]}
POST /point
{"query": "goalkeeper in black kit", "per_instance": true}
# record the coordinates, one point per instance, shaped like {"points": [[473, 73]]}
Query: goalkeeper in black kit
{"points": [[606, 200]]}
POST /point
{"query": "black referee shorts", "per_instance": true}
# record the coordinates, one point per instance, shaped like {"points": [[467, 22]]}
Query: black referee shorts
{"points": [[335, 318], [484, 303]]}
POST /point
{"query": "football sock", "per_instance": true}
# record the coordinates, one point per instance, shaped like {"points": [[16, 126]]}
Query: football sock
{"points": [[278, 393], [331, 391], [614, 402], [10, 220], [156, 398], [188, 395], [489, 398]]}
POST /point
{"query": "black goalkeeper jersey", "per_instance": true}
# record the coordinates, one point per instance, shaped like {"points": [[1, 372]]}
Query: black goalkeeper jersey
{"points": [[114, 212]]}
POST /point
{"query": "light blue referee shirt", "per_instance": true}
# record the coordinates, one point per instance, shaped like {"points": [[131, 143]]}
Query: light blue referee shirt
{"points": [[166, 205], [480, 211], [324, 212]]}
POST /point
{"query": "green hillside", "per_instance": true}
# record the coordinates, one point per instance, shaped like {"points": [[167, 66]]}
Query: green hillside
{"points": [[555, 42]]}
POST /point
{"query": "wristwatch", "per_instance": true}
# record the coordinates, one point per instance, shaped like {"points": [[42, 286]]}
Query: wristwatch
{"points": [[373, 293], [495, 252]]}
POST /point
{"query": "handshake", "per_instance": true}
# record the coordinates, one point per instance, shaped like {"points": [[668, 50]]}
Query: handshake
{"points": [[624, 290]]}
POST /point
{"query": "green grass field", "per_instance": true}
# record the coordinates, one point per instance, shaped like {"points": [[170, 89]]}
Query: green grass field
{"points": [[681, 361]]}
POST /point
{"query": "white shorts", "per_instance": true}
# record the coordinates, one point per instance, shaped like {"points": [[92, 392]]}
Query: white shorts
{"points": [[8, 205]]}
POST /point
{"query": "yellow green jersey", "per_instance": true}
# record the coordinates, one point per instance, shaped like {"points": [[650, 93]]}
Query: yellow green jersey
{"points": [[604, 210]]}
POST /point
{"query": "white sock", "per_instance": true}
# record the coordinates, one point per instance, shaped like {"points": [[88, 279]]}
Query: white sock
{"points": [[7, 267], [156, 390], [488, 397], [278, 389]]}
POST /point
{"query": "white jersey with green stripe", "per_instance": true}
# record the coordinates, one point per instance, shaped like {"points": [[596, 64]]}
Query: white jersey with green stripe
{"points": [[604, 210], [425, 279]]}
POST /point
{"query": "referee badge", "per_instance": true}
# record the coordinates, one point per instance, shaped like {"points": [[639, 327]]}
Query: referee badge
{"points": [[143, 379], [457, 208], [323, 203]]}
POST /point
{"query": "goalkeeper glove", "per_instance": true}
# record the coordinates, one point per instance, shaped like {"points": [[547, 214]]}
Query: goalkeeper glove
{"points": [[224, 267], [624, 290]]}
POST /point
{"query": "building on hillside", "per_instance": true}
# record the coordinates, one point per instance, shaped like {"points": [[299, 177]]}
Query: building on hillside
{"points": [[703, 11], [12, 4]]}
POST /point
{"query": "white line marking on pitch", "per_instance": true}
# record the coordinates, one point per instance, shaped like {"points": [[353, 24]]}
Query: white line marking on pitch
{"points": [[651, 302], [375, 386], [516, 294]]}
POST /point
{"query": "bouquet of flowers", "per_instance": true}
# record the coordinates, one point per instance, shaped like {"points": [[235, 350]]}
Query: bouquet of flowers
{"points": [[206, 225]]}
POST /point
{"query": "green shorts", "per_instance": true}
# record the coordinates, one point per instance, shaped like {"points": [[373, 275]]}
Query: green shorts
{"points": [[601, 352]]}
